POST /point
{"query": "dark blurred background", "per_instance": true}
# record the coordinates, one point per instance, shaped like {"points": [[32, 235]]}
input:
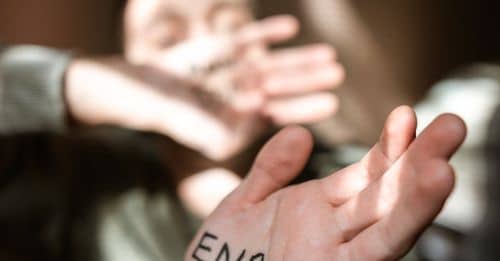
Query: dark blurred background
{"points": [[428, 39]]}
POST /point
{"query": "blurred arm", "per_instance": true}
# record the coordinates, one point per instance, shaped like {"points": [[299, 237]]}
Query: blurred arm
{"points": [[112, 91]]}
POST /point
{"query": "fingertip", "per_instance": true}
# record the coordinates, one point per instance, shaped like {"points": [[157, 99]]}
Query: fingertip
{"points": [[405, 109], [441, 139], [293, 142], [298, 134], [331, 105], [289, 20], [437, 179], [293, 23], [402, 116], [340, 74], [399, 131], [269, 30], [281, 160], [324, 52], [288, 25], [452, 126], [292, 138], [444, 136], [403, 113]]}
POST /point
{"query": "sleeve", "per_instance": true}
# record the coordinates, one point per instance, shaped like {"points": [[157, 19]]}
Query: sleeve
{"points": [[31, 89]]}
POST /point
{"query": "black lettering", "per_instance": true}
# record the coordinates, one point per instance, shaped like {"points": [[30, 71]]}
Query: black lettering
{"points": [[257, 257], [242, 255], [224, 252], [202, 246]]}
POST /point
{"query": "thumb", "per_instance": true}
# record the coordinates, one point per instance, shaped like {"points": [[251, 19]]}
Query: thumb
{"points": [[281, 160]]}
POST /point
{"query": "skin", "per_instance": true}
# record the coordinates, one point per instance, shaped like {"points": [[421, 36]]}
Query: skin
{"points": [[372, 210], [216, 46], [236, 92]]}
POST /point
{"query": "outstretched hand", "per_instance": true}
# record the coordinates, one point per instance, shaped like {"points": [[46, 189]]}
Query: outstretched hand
{"points": [[220, 112], [372, 210], [238, 68], [256, 87]]}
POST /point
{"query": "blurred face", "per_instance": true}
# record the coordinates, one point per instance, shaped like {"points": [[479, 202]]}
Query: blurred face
{"points": [[154, 25]]}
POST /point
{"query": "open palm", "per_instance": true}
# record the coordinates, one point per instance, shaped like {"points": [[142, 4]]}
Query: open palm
{"points": [[372, 210]]}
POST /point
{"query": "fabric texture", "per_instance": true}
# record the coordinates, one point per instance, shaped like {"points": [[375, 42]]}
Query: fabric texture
{"points": [[31, 89]]}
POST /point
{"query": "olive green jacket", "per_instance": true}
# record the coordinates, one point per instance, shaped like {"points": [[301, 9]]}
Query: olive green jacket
{"points": [[67, 194]]}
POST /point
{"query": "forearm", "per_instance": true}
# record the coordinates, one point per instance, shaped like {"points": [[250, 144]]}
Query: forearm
{"points": [[112, 91], [96, 92], [31, 84]]}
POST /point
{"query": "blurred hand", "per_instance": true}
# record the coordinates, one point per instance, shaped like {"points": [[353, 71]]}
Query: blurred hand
{"points": [[220, 112], [286, 86], [257, 87], [372, 210]]}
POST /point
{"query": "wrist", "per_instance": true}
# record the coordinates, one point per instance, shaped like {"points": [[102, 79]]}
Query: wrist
{"points": [[72, 91], [99, 91]]}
